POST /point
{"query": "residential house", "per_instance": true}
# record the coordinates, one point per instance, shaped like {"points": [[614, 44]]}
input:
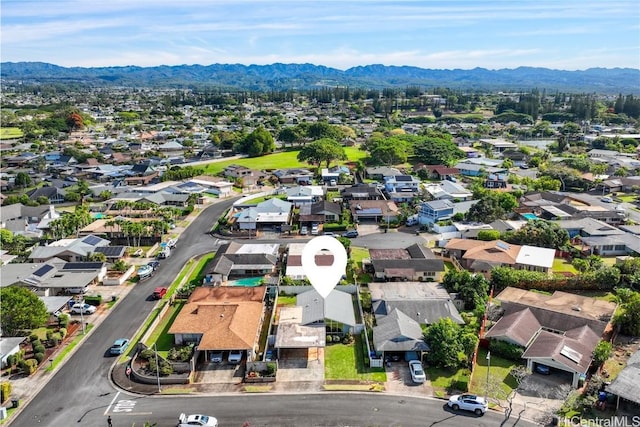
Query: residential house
{"points": [[248, 178], [497, 180], [319, 213], [440, 172], [497, 145], [222, 319], [361, 192], [447, 190], [294, 268], [380, 172], [27, 220], [587, 227], [373, 210], [415, 263], [333, 173], [475, 170], [626, 385], [397, 333], [294, 176], [243, 260], [559, 330], [8, 347], [55, 277], [435, 210], [335, 312], [70, 250], [612, 245], [54, 195], [293, 336], [301, 195], [401, 308], [269, 214], [482, 257], [214, 185]]}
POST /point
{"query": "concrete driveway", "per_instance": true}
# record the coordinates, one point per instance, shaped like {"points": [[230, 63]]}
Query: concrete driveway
{"points": [[306, 369], [399, 381], [219, 373]]}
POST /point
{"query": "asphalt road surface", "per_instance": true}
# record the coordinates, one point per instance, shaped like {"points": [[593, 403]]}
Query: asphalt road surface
{"points": [[330, 409]]}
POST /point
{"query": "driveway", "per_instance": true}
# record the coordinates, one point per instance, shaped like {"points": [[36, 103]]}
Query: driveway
{"points": [[399, 381], [299, 368], [219, 373]]}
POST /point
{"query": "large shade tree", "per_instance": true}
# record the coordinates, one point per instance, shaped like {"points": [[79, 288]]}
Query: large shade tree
{"points": [[323, 150], [20, 310]]}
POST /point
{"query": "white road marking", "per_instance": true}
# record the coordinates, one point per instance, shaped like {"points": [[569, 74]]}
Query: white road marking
{"points": [[111, 404]]}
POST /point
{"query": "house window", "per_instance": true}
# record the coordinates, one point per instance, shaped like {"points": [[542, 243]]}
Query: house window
{"points": [[607, 247]]}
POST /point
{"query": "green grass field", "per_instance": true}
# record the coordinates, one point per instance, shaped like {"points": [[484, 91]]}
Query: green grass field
{"points": [[10, 133], [499, 377], [285, 159], [441, 379], [562, 266], [345, 362], [160, 335]]}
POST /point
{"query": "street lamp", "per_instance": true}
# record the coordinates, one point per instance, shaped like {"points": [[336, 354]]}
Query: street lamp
{"points": [[486, 390], [155, 348]]}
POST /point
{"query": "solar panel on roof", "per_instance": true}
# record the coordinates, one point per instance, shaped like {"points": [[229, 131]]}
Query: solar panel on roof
{"points": [[82, 266], [110, 251], [503, 246], [92, 240], [571, 354], [43, 270]]}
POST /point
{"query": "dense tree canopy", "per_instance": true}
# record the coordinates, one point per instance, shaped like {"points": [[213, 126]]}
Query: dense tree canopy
{"points": [[450, 344], [541, 233], [436, 150], [628, 318], [472, 289], [257, 143], [492, 206], [323, 150], [388, 151], [20, 310]]}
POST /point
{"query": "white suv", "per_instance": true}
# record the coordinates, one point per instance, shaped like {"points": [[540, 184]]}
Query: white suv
{"points": [[235, 356], [468, 402]]}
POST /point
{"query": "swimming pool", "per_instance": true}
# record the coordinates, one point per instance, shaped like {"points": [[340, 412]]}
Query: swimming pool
{"points": [[529, 216], [247, 281], [99, 215]]}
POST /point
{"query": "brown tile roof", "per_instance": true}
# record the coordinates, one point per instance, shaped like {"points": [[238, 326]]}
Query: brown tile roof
{"points": [[519, 327], [227, 317], [495, 251]]}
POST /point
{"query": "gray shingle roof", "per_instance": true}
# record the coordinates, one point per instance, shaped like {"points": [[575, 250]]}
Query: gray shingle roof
{"points": [[398, 332], [337, 307]]}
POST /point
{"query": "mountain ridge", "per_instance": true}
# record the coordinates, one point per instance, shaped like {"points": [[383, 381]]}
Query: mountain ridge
{"points": [[281, 76]]}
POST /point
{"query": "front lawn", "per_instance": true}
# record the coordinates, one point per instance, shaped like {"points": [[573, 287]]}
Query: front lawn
{"points": [[500, 381], [345, 362], [160, 335], [442, 380]]}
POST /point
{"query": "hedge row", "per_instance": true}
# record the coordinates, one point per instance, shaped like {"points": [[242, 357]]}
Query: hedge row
{"points": [[334, 227], [506, 350]]}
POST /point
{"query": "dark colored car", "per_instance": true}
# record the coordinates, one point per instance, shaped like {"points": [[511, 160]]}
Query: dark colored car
{"points": [[350, 234], [542, 369], [154, 264]]}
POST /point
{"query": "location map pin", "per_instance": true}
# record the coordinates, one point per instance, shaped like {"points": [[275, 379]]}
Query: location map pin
{"points": [[324, 278]]}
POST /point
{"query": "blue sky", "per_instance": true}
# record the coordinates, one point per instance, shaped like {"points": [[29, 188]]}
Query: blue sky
{"points": [[558, 34]]}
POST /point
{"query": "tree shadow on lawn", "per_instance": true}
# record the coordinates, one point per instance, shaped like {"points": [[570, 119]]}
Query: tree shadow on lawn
{"points": [[164, 340]]}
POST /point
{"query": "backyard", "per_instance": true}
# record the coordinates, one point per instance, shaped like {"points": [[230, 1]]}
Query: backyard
{"points": [[281, 160], [561, 265], [346, 362]]}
